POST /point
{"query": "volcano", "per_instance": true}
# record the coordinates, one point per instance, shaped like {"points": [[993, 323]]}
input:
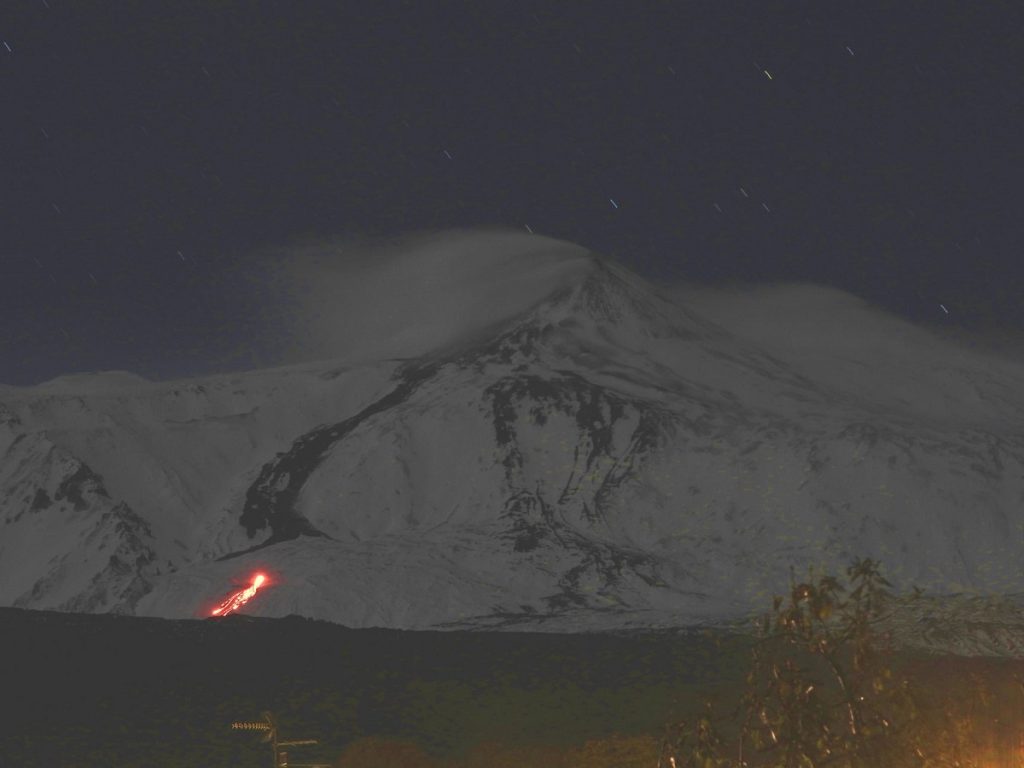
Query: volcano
{"points": [[603, 458]]}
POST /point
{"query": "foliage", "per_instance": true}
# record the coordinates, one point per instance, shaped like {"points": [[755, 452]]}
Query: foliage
{"points": [[821, 690]]}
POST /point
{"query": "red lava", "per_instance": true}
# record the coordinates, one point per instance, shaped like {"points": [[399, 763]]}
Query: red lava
{"points": [[240, 598]]}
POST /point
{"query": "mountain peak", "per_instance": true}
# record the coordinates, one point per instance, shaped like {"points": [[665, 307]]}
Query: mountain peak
{"points": [[593, 455], [625, 304]]}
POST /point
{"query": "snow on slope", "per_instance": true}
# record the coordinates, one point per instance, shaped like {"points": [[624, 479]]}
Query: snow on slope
{"points": [[173, 457], [602, 458], [838, 340], [97, 553]]}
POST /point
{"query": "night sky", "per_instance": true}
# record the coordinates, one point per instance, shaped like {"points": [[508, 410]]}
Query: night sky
{"points": [[150, 149]]}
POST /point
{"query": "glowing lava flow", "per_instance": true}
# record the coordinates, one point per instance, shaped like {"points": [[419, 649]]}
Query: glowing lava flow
{"points": [[240, 598]]}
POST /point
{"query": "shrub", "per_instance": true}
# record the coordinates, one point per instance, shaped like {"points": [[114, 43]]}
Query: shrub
{"points": [[822, 690]]}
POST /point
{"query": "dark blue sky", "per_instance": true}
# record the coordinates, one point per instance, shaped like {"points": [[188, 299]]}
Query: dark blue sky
{"points": [[870, 147]]}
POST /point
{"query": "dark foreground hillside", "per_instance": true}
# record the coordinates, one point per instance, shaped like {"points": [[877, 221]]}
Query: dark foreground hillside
{"points": [[88, 690]]}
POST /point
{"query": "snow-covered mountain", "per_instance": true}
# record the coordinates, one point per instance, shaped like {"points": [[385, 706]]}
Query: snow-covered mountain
{"points": [[602, 458]]}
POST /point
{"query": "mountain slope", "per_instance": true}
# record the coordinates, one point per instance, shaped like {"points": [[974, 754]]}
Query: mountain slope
{"points": [[606, 458]]}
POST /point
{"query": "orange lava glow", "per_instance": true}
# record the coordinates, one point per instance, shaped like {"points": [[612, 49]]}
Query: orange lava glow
{"points": [[240, 598]]}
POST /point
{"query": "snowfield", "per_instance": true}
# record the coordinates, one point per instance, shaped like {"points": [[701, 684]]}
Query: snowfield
{"points": [[588, 453]]}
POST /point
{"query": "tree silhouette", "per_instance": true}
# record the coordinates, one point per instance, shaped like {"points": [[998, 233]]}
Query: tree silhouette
{"points": [[821, 690]]}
